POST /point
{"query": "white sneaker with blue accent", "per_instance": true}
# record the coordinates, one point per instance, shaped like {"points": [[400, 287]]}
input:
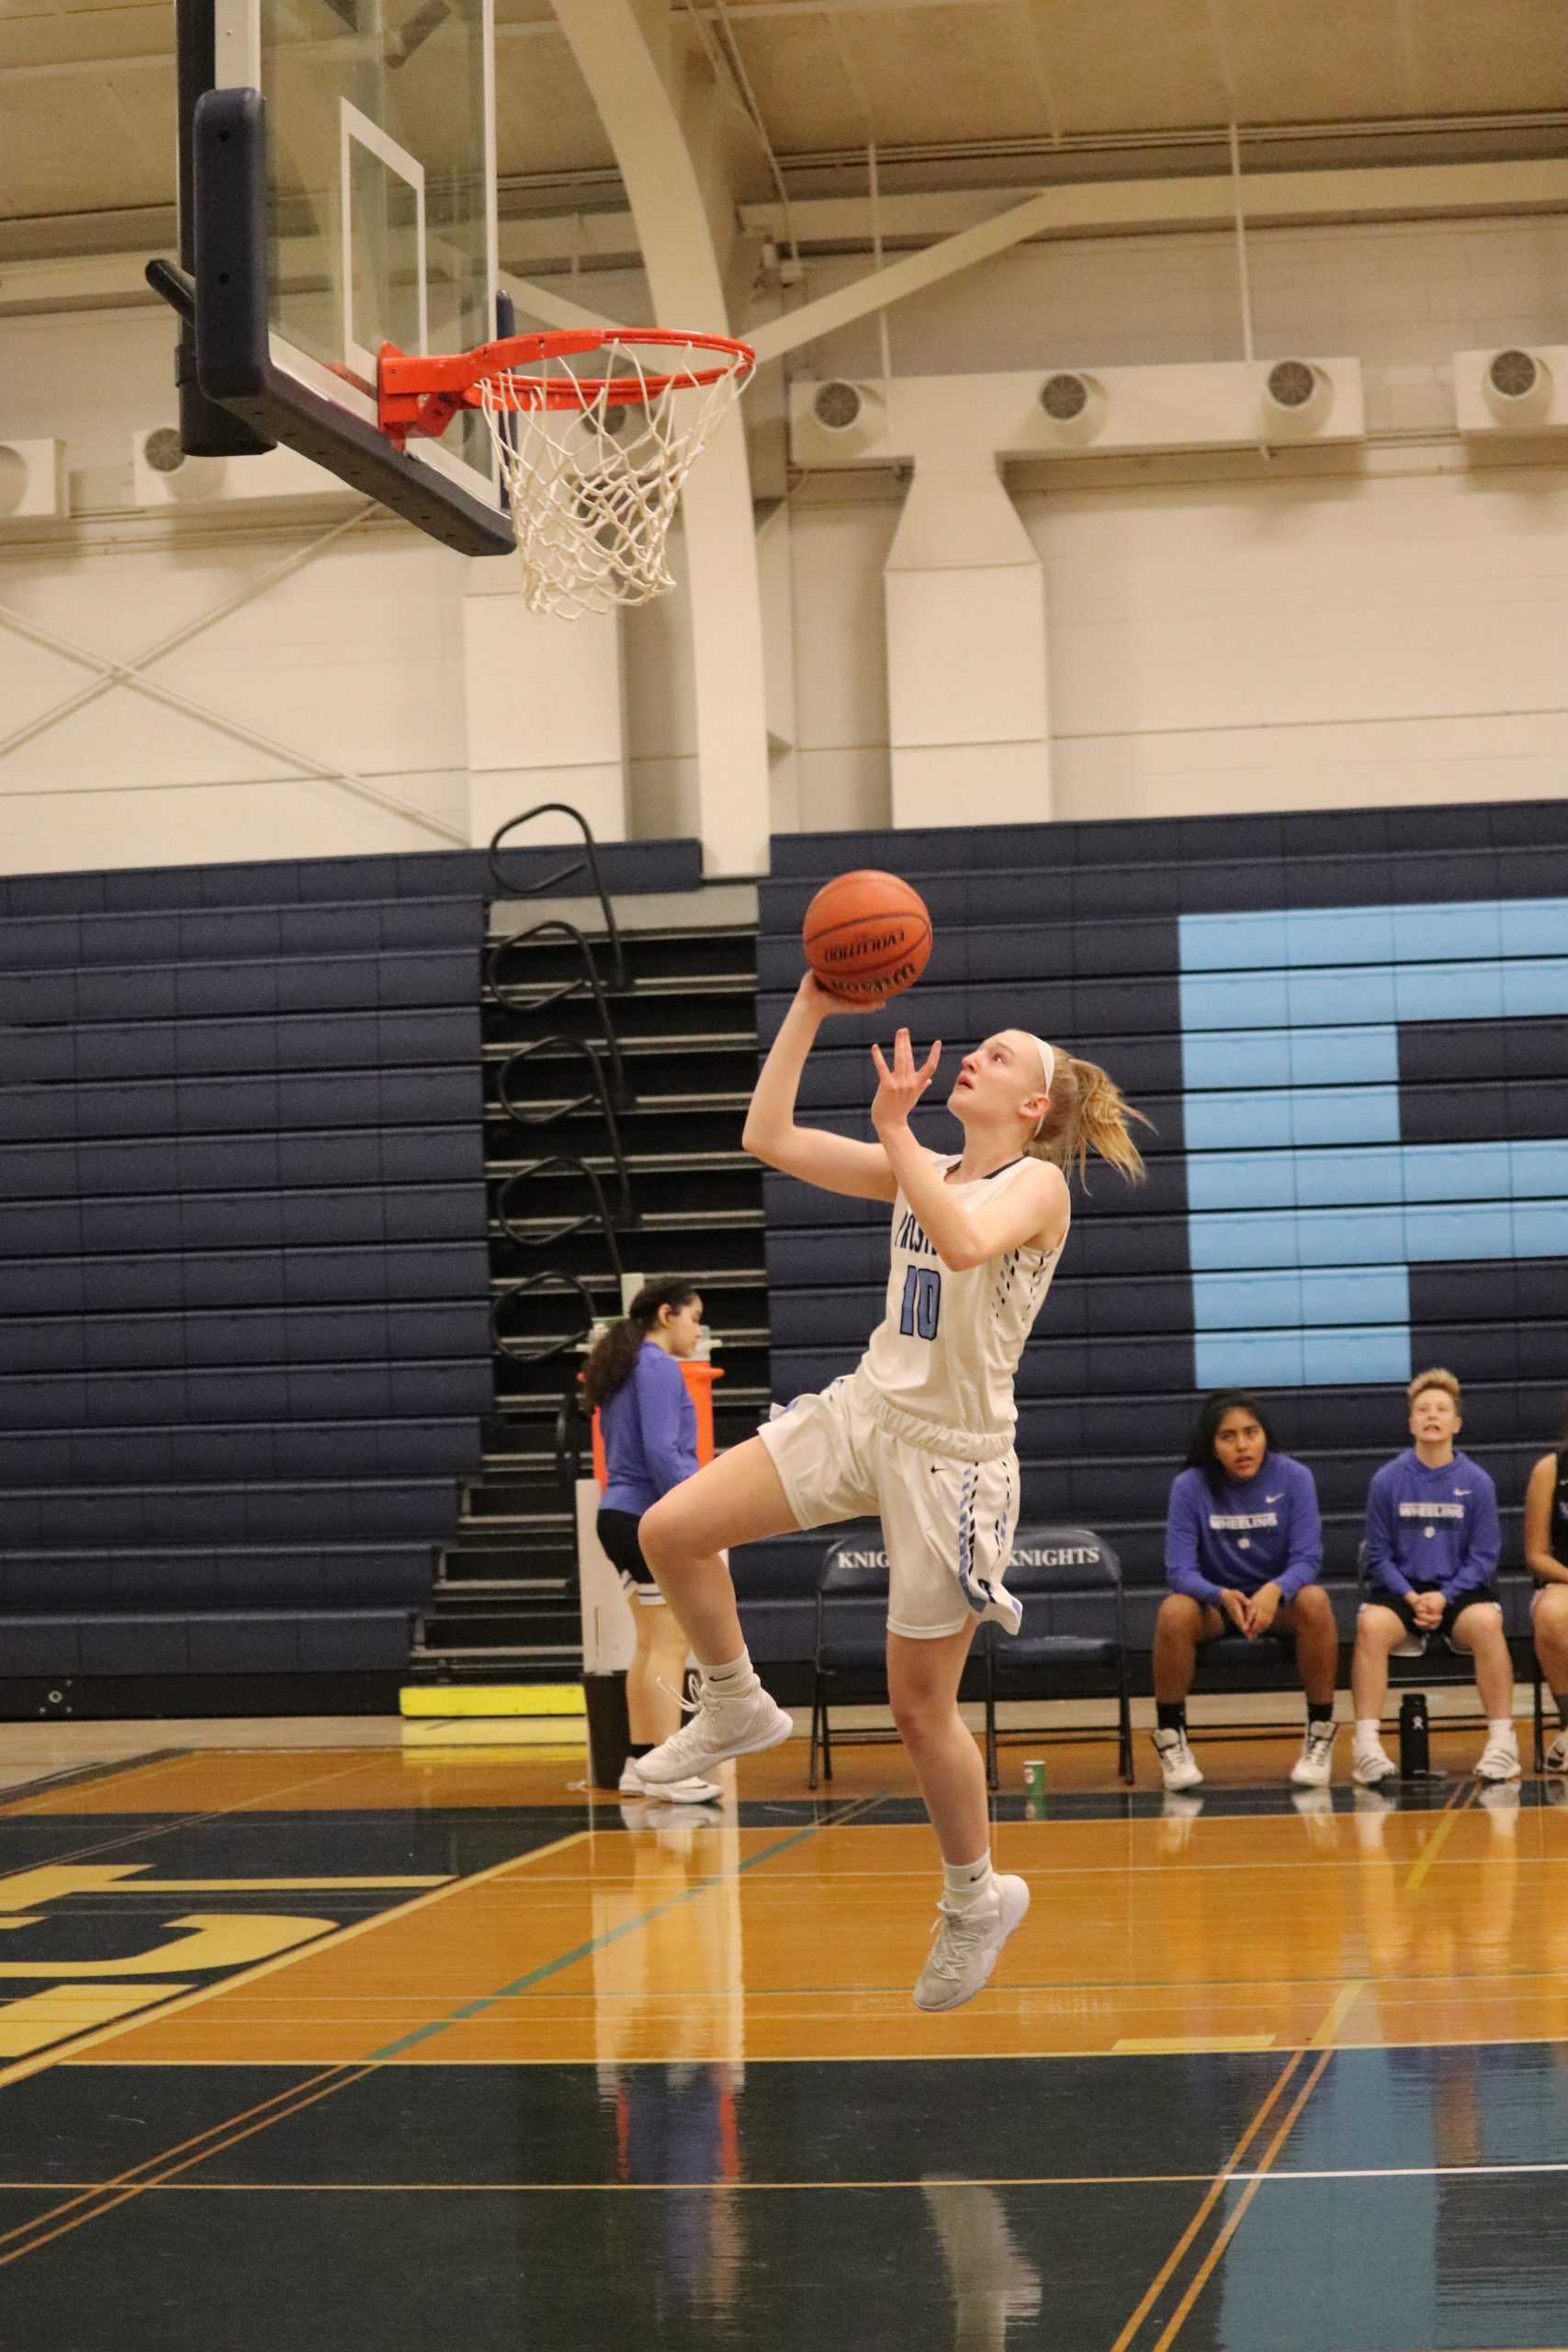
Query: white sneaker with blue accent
{"points": [[966, 1942]]}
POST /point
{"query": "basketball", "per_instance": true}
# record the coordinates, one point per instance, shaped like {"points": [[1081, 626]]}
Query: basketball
{"points": [[867, 935]]}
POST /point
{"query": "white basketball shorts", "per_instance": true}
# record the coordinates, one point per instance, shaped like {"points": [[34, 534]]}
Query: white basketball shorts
{"points": [[947, 1518]]}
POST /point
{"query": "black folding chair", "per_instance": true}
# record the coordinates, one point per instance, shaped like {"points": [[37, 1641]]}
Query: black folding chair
{"points": [[851, 1641], [1069, 1582]]}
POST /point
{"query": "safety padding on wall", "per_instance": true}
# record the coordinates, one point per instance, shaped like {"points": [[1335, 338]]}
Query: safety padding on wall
{"points": [[161, 475], [32, 480]]}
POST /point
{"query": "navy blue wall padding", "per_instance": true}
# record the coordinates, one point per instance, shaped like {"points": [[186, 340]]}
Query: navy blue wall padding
{"points": [[245, 1281], [463, 875], [1350, 1030]]}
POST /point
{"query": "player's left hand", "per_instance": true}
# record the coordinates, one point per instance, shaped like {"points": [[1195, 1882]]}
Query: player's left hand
{"points": [[901, 1088]]}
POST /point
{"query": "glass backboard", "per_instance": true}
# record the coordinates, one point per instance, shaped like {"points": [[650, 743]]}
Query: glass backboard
{"points": [[374, 222]]}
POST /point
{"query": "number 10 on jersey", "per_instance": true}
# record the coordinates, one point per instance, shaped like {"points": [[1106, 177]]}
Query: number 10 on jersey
{"points": [[921, 1309]]}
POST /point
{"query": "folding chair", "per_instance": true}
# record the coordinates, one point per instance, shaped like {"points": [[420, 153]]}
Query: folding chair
{"points": [[1069, 1581]]}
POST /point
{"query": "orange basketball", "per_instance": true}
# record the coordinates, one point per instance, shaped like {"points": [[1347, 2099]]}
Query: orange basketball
{"points": [[867, 935]]}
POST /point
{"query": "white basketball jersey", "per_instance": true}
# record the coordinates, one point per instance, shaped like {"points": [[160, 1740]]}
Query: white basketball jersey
{"points": [[948, 1346]]}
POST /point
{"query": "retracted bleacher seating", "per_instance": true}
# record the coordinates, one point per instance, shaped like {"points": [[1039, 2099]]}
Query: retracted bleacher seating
{"points": [[244, 1342]]}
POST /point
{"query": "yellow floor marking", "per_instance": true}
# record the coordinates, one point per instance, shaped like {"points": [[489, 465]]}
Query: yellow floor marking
{"points": [[1254, 2181], [1171, 2045], [37, 2065], [1152, 2292], [1348, 1997], [1438, 1840]]}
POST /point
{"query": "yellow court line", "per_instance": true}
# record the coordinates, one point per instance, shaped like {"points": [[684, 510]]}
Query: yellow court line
{"points": [[1439, 1839], [203, 2147], [52, 2056], [1348, 1996], [1156, 2285], [1254, 2181], [1176, 2045]]}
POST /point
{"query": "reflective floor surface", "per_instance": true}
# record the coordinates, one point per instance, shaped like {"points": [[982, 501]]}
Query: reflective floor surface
{"points": [[334, 2044]]}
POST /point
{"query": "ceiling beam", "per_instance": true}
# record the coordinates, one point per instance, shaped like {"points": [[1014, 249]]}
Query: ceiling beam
{"points": [[1273, 199]]}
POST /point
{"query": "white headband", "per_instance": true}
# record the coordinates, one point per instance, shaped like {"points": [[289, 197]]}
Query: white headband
{"points": [[1047, 1061]]}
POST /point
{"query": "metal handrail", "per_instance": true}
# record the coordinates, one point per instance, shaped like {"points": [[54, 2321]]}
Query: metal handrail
{"points": [[504, 888], [600, 1092], [511, 993], [551, 1349], [599, 1213], [570, 1428]]}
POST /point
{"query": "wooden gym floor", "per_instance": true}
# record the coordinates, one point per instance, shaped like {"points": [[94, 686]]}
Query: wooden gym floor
{"points": [[310, 2037]]}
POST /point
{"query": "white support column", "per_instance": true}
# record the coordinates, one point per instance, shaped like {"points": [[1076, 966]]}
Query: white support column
{"points": [[618, 61], [545, 711], [965, 604]]}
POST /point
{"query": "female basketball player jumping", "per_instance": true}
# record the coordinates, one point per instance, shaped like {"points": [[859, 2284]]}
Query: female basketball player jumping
{"points": [[920, 1433]]}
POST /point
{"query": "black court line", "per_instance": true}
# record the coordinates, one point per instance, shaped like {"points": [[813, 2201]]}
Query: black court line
{"points": [[76, 1775]]}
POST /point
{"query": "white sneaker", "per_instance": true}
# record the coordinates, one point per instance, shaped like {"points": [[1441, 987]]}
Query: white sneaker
{"points": [[965, 1944], [1557, 1754], [1179, 1766], [1371, 1767], [1500, 1759], [632, 1784], [1313, 1767], [720, 1727]]}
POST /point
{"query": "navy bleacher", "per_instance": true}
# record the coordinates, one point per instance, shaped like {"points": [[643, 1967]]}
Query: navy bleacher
{"points": [[1350, 1031], [244, 1286]]}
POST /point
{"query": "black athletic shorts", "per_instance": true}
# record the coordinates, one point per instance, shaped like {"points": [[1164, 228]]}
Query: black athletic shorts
{"points": [[1401, 1605], [618, 1541]]}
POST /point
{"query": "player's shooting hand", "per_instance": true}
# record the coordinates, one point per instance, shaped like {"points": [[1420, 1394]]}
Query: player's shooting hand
{"points": [[820, 1000], [901, 1088]]}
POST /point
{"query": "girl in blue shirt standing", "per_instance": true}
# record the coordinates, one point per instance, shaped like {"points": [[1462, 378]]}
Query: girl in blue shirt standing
{"points": [[650, 1427], [1243, 1548]]}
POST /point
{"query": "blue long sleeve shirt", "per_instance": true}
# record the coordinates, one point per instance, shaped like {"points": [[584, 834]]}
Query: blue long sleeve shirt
{"points": [[1432, 1527], [649, 1428], [1241, 1536]]}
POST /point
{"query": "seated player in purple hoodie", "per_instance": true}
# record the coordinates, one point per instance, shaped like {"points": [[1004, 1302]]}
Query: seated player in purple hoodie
{"points": [[1433, 1544], [1243, 1547]]}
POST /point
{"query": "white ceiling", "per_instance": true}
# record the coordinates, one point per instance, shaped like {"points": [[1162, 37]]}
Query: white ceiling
{"points": [[1016, 91]]}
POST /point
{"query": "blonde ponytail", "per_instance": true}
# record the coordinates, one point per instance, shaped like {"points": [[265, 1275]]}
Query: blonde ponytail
{"points": [[1087, 1115]]}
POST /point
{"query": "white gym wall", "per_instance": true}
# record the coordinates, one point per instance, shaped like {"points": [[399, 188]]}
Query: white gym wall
{"points": [[1374, 621]]}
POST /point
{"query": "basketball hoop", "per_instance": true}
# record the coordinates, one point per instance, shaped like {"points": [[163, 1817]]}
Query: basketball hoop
{"points": [[593, 465]]}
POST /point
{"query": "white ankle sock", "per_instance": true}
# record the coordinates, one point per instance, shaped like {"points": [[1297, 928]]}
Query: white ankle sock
{"points": [[730, 1681], [1501, 1727], [1368, 1733], [963, 1883]]}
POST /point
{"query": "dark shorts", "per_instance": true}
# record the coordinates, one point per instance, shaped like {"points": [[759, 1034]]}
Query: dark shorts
{"points": [[1401, 1606], [617, 1532]]}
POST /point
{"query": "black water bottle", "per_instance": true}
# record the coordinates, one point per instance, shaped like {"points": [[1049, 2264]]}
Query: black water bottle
{"points": [[1415, 1752]]}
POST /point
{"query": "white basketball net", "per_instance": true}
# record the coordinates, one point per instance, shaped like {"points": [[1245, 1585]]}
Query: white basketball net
{"points": [[593, 488]]}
